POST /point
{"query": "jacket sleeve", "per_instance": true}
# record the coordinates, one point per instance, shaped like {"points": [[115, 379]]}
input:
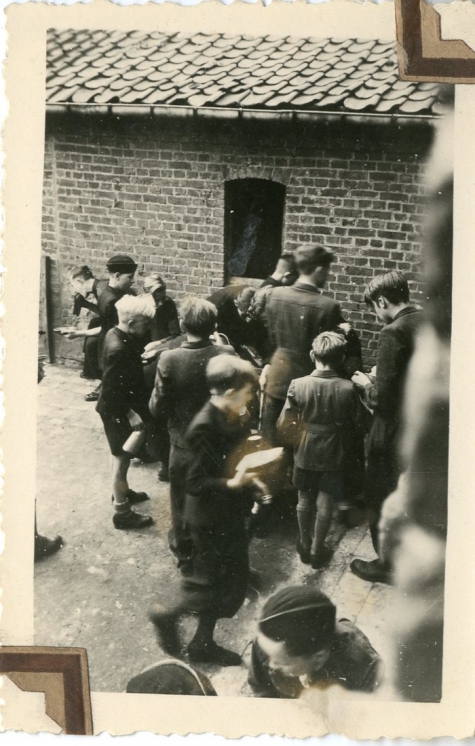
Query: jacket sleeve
{"points": [[205, 468], [161, 398], [383, 396], [289, 422], [117, 393]]}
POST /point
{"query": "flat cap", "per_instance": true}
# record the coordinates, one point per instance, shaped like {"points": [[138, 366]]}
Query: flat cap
{"points": [[121, 263]]}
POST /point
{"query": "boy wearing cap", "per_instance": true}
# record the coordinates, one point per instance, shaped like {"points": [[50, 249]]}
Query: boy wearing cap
{"points": [[123, 401], [300, 644], [121, 270]]}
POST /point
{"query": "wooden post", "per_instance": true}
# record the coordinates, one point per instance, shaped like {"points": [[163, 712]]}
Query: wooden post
{"points": [[49, 308]]}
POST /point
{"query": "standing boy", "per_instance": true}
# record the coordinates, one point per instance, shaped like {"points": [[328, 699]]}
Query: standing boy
{"points": [[388, 296], [123, 401], [121, 270], [321, 418], [181, 390], [294, 317]]}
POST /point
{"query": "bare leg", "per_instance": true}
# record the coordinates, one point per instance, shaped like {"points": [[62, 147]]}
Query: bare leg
{"points": [[120, 466], [323, 521]]}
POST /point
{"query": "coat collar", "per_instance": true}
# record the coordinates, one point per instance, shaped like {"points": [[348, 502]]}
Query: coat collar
{"points": [[406, 311], [305, 286], [324, 374], [196, 345]]}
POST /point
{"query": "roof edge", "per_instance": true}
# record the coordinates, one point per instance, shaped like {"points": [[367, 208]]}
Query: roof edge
{"points": [[168, 110]]}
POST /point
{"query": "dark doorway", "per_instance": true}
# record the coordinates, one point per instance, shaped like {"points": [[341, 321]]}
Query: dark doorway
{"points": [[253, 227]]}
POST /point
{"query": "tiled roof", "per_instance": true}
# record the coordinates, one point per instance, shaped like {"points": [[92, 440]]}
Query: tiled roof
{"points": [[233, 72]]}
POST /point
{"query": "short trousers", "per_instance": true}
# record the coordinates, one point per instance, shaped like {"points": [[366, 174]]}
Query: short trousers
{"points": [[117, 430], [326, 481]]}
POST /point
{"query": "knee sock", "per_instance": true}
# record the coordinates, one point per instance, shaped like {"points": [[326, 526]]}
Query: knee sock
{"points": [[305, 521], [322, 526]]}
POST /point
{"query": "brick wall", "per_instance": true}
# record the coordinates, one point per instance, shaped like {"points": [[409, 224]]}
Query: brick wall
{"points": [[154, 188]]}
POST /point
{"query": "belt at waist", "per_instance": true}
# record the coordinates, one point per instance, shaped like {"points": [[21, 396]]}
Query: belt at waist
{"points": [[321, 429]]}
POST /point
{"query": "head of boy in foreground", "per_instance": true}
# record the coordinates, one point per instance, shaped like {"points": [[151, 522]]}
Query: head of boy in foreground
{"points": [[232, 382], [135, 314], [296, 630], [328, 350], [198, 317]]}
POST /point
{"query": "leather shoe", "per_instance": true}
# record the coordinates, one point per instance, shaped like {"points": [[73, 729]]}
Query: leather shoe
{"points": [[212, 653], [92, 396], [124, 521], [163, 473], [374, 571], [45, 547], [321, 558]]}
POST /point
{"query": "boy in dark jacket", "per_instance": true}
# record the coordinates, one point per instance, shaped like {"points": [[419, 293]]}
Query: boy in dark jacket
{"points": [[217, 502], [180, 391], [123, 401], [321, 418]]}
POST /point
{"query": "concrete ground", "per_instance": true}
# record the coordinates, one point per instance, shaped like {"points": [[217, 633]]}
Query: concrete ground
{"points": [[96, 591]]}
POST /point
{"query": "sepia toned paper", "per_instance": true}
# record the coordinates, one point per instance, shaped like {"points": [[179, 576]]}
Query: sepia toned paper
{"points": [[358, 717]]}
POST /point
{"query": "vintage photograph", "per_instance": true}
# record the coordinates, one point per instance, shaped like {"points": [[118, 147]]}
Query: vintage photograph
{"points": [[243, 376]]}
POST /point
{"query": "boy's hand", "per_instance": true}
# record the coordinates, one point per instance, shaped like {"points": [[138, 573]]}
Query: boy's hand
{"points": [[75, 335], [360, 379], [149, 355], [345, 327], [135, 421]]}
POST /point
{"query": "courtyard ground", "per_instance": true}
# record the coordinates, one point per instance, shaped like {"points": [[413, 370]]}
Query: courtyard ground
{"points": [[96, 591]]}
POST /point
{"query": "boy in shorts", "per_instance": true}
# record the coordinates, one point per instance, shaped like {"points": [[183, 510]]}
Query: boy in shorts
{"points": [[320, 419], [123, 401]]}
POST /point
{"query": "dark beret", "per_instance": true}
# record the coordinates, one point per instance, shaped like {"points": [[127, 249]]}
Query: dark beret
{"points": [[171, 677], [301, 616], [121, 263]]}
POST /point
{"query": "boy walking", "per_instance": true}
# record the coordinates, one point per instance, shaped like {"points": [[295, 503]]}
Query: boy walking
{"points": [[123, 401], [320, 419]]}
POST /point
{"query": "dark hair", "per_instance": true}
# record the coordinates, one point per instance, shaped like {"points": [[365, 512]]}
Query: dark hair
{"points": [[82, 271], [198, 316], [229, 372], [391, 285], [329, 348], [289, 259], [308, 258]]}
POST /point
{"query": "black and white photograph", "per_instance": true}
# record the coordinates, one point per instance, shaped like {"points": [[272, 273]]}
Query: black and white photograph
{"points": [[234, 313], [244, 335]]}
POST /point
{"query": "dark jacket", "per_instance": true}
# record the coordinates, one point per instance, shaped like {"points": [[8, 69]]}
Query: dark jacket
{"points": [[295, 315], [180, 385], [123, 386], [353, 663], [395, 348], [108, 313], [321, 419], [165, 324], [215, 447]]}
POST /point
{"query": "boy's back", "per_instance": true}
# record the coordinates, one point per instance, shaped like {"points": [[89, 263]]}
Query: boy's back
{"points": [[323, 411]]}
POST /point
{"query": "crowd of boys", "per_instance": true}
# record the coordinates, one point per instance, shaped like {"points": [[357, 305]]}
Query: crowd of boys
{"points": [[184, 382]]}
